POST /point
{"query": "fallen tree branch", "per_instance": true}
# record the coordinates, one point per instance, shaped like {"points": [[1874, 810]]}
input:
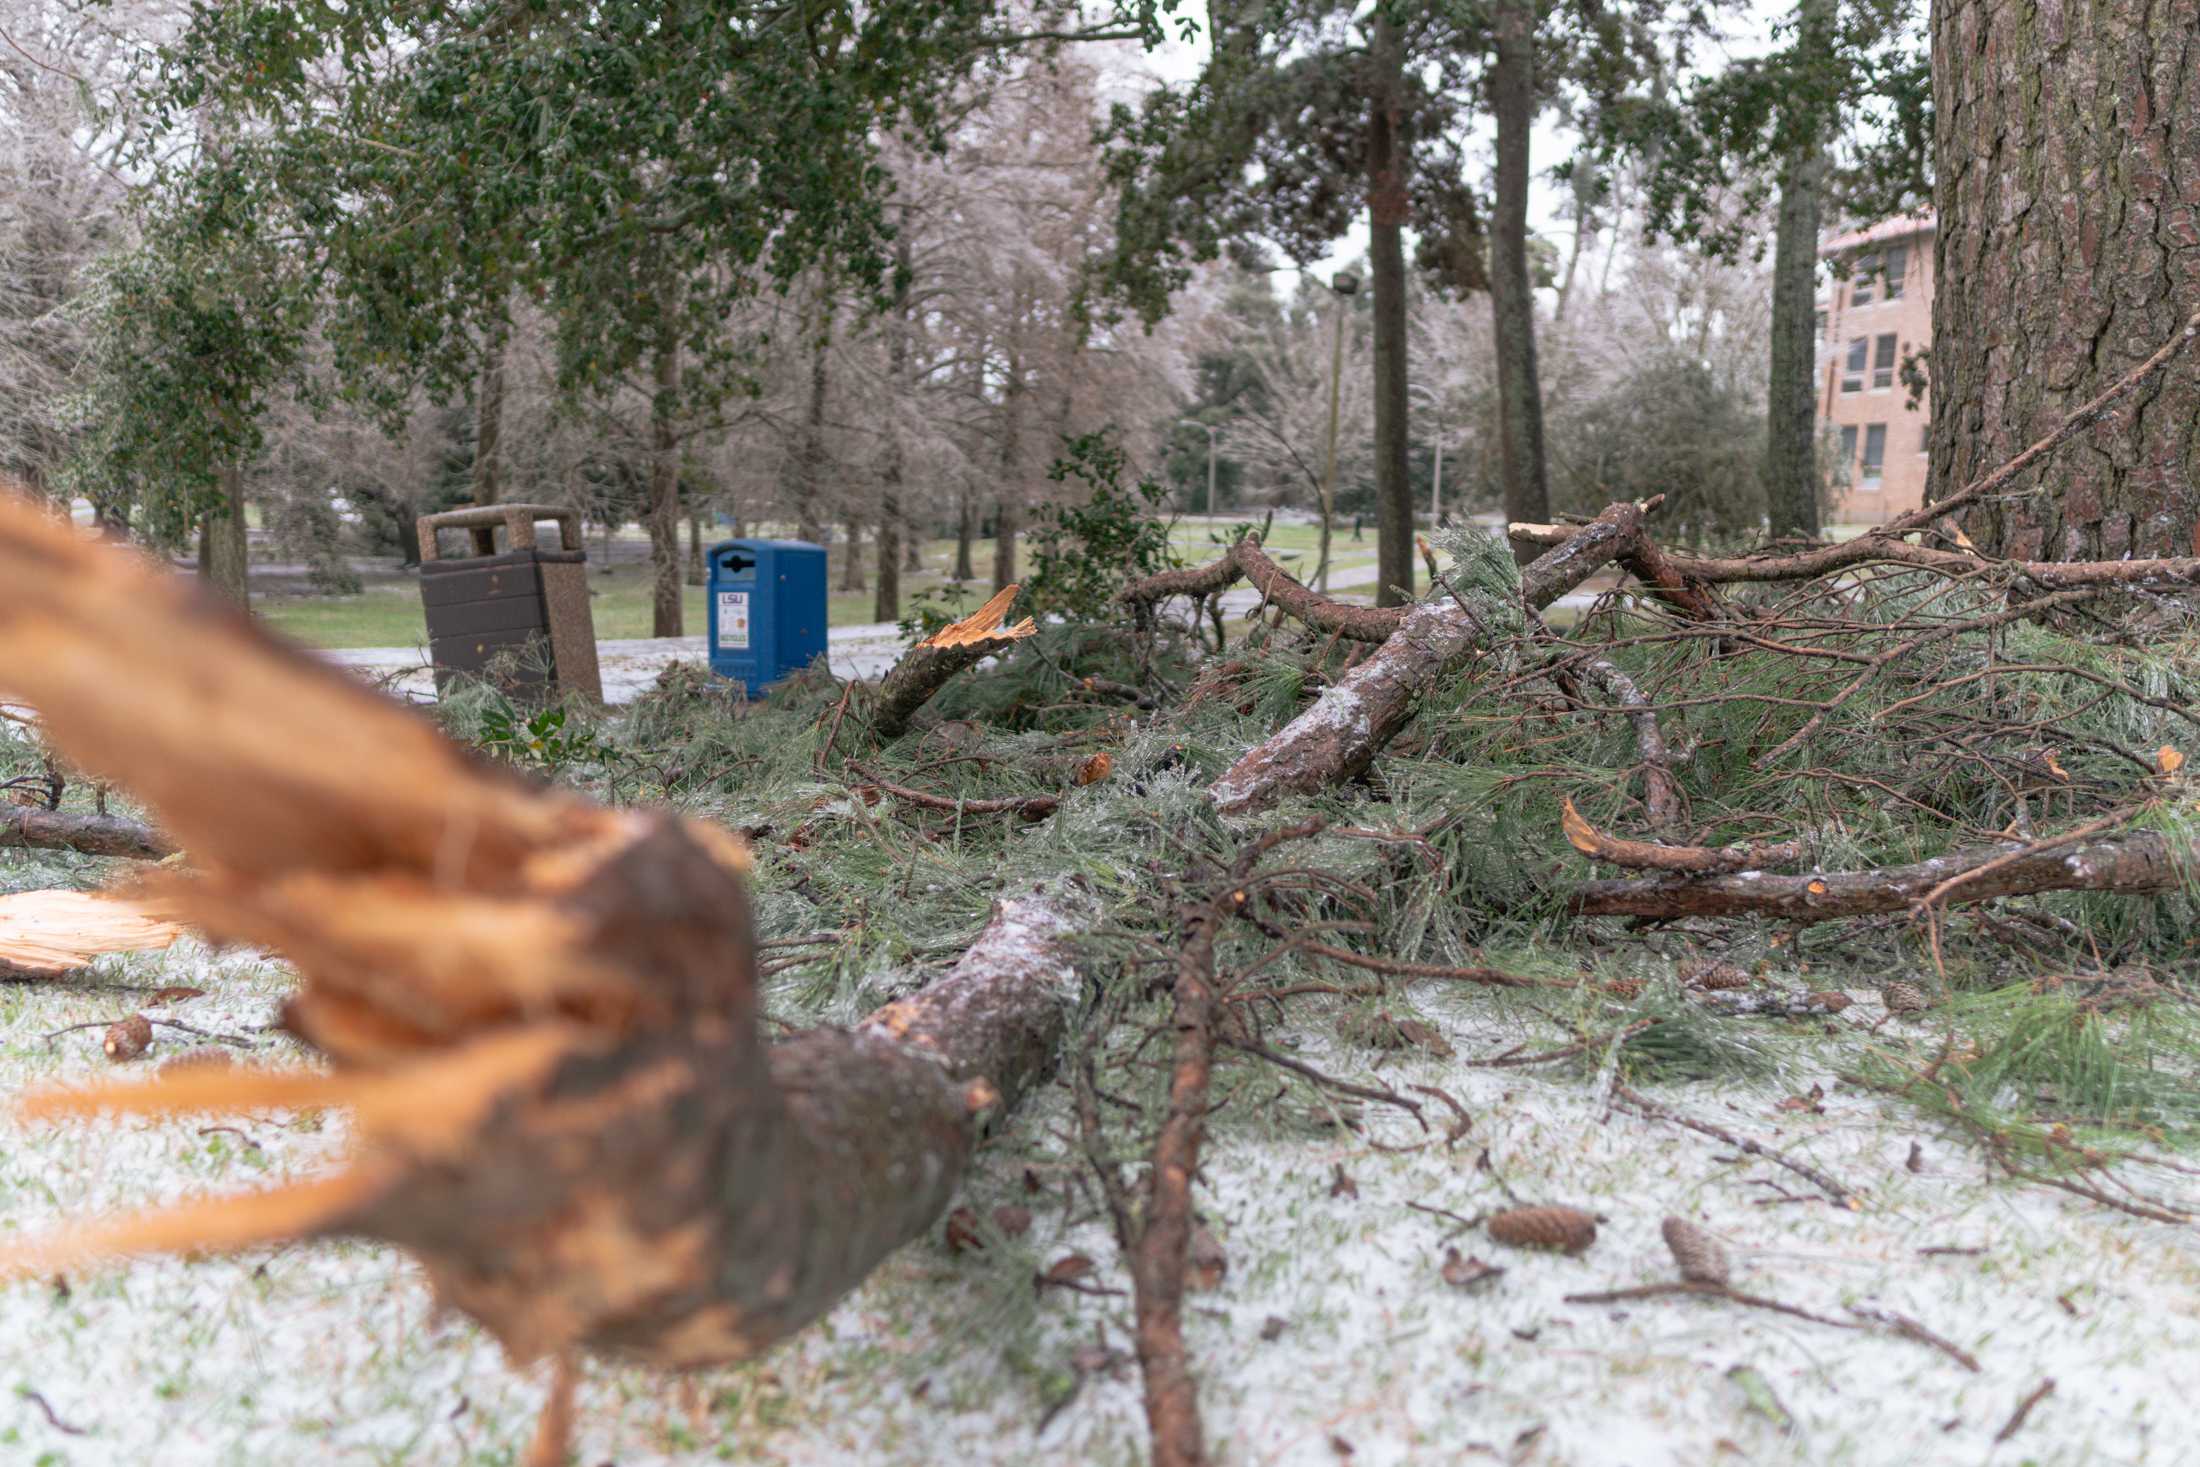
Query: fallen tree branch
{"points": [[1030, 807], [26, 827], [1641, 855], [926, 668], [543, 1013], [1357, 715], [2142, 863], [1246, 560]]}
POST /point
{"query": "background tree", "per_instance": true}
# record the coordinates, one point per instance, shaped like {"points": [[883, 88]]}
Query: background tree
{"points": [[1836, 113]]}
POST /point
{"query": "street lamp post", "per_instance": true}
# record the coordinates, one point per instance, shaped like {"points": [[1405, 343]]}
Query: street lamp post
{"points": [[1345, 284], [1212, 507]]}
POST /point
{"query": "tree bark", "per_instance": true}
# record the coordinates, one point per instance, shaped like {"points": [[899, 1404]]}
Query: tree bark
{"points": [[666, 598], [489, 422], [697, 572], [25, 827], [1339, 737], [224, 560], [887, 605], [1791, 399], [1512, 293], [1386, 214], [2068, 244]]}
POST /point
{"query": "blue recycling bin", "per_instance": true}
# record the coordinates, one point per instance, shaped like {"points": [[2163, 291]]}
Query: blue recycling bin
{"points": [[767, 609]]}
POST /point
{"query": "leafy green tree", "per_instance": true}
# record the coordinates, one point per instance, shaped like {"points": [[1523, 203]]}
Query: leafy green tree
{"points": [[636, 170]]}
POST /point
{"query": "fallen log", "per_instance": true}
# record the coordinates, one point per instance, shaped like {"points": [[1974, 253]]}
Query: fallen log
{"points": [[1277, 586], [29, 828], [542, 1012], [925, 668], [1356, 716], [2140, 864]]}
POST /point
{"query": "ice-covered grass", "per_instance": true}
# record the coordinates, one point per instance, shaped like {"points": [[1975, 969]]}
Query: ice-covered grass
{"points": [[333, 1353]]}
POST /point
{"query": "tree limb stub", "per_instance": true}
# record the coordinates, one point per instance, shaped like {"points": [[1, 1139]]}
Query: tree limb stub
{"points": [[1643, 855], [1356, 716], [2138, 864], [925, 668], [27, 827], [541, 1012], [1247, 561]]}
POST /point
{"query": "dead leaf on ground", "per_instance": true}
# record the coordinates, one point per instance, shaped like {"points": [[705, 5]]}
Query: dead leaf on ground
{"points": [[1463, 1272], [1342, 1185], [1068, 1269], [1273, 1326], [1209, 1264], [175, 993], [1013, 1221], [1095, 769], [962, 1231], [1812, 1103]]}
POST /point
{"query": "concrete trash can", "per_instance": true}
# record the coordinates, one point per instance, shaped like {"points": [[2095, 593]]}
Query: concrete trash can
{"points": [[523, 603], [767, 609]]}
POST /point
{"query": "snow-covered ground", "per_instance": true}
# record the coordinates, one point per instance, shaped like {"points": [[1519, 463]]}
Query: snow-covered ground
{"points": [[1333, 1337]]}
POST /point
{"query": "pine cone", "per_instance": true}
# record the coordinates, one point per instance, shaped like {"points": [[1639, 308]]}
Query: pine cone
{"points": [[1566, 1229], [128, 1039], [1628, 988], [1905, 998], [1713, 977], [1702, 1258], [1832, 1000]]}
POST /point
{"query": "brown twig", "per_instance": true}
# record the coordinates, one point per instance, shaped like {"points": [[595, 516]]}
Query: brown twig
{"points": [[2016, 1419], [1807, 1172], [53, 1419], [1030, 807], [1910, 1329]]}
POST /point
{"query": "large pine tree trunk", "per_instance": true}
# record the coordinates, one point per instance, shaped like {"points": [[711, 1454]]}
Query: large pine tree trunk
{"points": [[851, 560], [887, 605], [1386, 209], [2067, 143], [966, 532], [1791, 401], [1512, 296], [664, 490], [1008, 509]]}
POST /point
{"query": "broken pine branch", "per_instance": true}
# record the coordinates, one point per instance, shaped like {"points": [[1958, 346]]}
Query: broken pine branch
{"points": [[29, 828], [1355, 717], [542, 1012], [1246, 560], [926, 668]]}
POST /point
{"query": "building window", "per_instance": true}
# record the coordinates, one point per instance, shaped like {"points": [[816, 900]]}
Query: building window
{"points": [[1875, 454], [1852, 379], [1898, 261], [1924, 437], [1883, 363], [1860, 285], [1821, 325], [1846, 469]]}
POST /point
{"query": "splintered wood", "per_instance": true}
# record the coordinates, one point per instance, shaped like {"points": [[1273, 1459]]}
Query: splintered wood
{"points": [[44, 934], [984, 625], [925, 668], [543, 1013]]}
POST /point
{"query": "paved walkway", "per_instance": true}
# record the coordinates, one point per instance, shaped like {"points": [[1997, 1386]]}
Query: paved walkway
{"points": [[630, 666]]}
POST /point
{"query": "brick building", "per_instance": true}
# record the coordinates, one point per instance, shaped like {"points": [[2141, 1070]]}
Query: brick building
{"points": [[1878, 310]]}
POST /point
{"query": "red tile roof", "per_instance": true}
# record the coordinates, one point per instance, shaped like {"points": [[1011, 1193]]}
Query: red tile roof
{"points": [[1899, 227]]}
